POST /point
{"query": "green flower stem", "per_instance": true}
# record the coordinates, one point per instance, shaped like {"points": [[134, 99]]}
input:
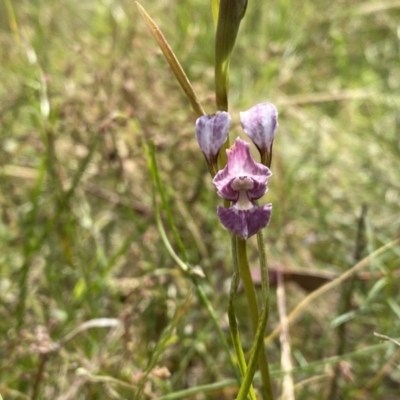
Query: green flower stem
{"points": [[230, 15], [232, 317], [258, 351], [265, 310]]}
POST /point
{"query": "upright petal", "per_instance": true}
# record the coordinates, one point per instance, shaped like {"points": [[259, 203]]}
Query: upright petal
{"points": [[260, 124], [211, 133]]}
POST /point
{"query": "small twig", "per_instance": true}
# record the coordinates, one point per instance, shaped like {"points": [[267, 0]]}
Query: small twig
{"points": [[387, 338]]}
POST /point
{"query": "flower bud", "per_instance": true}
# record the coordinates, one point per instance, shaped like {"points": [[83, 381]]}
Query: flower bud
{"points": [[260, 124], [211, 133]]}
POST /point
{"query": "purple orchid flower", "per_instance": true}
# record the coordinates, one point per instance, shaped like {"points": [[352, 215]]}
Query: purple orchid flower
{"points": [[243, 181], [260, 123]]}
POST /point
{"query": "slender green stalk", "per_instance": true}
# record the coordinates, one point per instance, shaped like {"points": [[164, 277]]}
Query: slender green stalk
{"points": [[157, 186], [232, 317], [264, 268], [255, 357], [230, 15], [231, 310], [265, 309], [254, 315]]}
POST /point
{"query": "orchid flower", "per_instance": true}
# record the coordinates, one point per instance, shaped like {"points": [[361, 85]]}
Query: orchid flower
{"points": [[243, 181]]}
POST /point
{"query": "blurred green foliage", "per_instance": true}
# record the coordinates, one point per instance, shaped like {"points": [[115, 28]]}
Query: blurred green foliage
{"points": [[83, 88]]}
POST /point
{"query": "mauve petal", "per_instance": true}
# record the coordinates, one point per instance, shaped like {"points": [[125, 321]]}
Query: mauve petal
{"points": [[212, 132], [227, 193], [241, 164], [258, 191], [245, 223], [260, 123]]}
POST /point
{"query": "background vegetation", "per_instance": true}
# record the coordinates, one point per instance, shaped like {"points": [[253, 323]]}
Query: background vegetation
{"points": [[92, 305]]}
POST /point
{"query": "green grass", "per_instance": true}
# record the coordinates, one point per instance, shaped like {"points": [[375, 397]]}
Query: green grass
{"points": [[83, 89]]}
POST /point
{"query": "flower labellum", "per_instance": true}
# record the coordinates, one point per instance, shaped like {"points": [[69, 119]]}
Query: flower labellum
{"points": [[211, 133], [260, 123], [243, 181]]}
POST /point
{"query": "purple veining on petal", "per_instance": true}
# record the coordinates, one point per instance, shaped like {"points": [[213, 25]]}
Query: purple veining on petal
{"points": [[212, 132], [260, 124], [245, 223], [241, 165]]}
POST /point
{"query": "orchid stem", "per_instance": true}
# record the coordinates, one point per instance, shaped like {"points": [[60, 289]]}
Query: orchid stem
{"points": [[259, 330], [265, 309], [232, 317]]}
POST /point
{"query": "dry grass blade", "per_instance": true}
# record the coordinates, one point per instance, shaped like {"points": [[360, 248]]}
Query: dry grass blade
{"points": [[172, 61], [93, 323], [387, 338], [374, 7]]}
